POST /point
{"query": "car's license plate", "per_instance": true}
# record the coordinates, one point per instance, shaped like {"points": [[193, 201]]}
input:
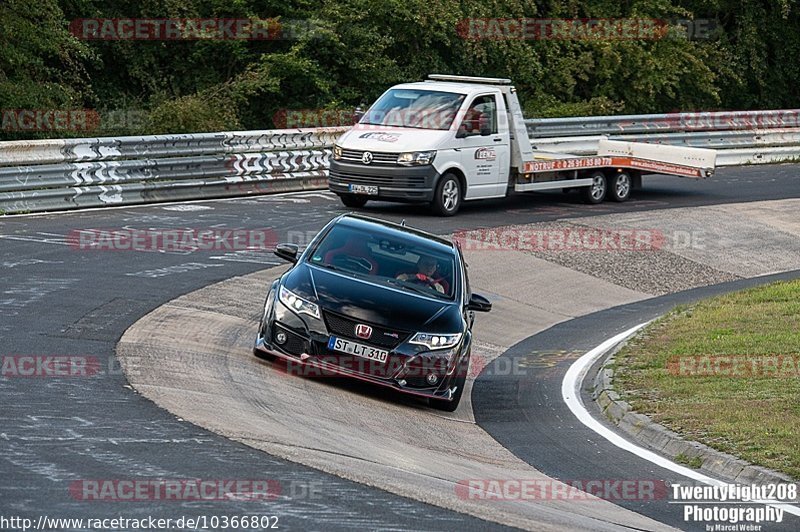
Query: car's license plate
{"points": [[369, 190], [359, 350]]}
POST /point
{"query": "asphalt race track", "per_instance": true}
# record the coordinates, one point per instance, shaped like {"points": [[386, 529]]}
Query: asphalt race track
{"points": [[58, 300], [520, 411]]}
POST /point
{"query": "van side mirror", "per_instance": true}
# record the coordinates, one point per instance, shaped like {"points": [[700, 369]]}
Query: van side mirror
{"points": [[479, 303], [358, 114], [287, 252]]}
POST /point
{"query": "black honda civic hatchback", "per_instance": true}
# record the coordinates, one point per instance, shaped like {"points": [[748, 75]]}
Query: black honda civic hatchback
{"points": [[375, 301]]}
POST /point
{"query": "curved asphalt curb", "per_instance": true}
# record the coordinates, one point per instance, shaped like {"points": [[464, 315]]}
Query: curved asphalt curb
{"points": [[662, 440], [525, 412]]}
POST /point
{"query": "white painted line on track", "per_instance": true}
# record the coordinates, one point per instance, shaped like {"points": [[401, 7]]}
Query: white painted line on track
{"points": [[570, 392], [320, 193]]}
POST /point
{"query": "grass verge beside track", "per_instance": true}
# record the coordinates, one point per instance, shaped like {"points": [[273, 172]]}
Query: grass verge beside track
{"points": [[724, 372]]}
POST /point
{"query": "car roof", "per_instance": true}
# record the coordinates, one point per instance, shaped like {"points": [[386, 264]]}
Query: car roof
{"points": [[448, 86], [385, 227]]}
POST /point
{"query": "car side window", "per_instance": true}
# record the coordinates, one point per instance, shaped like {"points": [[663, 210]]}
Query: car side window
{"points": [[480, 118]]}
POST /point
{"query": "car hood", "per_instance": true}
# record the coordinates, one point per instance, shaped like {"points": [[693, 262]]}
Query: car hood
{"points": [[391, 139], [373, 302]]}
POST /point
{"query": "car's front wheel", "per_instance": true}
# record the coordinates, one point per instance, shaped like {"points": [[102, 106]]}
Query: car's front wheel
{"points": [[447, 196], [353, 201]]}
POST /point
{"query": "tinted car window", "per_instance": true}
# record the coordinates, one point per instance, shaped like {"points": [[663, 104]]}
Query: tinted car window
{"points": [[393, 260]]}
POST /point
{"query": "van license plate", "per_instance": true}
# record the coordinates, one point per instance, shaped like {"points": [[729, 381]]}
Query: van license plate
{"points": [[369, 190]]}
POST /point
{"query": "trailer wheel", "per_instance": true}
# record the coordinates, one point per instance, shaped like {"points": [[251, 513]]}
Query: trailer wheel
{"points": [[447, 196], [619, 186], [596, 192], [353, 201]]}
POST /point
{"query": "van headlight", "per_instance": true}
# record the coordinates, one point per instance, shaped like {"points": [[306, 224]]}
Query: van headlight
{"points": [[416, 158], [298, 304], [337, 152], [436, 341]]}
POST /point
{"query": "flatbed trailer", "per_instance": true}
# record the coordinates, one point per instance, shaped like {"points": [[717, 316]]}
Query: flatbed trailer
{"points": [[457, 138]]}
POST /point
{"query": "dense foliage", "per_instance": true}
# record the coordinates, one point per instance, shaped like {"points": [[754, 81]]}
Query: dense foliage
{"points": [[341, 53]]}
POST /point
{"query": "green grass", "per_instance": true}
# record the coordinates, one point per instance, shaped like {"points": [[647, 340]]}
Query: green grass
{"points": [[695, 462], [755, 417]]}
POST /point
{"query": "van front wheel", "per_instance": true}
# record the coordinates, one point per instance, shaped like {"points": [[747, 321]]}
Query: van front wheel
{"points": [[447, 196], [353, 201]]}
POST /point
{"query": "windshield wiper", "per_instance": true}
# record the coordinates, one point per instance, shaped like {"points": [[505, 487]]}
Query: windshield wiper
{"points": [[334, 268]]}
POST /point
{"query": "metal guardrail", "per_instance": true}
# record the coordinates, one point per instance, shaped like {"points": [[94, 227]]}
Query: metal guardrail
{"points": [[663, 123], [77, 173], [64, 174]]}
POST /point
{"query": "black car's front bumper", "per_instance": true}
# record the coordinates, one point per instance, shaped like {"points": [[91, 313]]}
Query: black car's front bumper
{"points": [[305, 354], [394, 182]]}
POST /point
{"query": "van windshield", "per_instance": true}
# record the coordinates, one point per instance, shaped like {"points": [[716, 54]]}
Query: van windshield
{"points": [[414, 108]]}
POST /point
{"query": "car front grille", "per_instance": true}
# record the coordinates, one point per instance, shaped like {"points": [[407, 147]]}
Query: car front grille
{"points": [[418, 381], [377, 180], [378, 157], [294, 345], [353, 364], [345, 327], [417, 370]]}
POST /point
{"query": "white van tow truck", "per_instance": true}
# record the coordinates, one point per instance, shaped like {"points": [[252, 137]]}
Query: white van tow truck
{"points": [[452, 139]]}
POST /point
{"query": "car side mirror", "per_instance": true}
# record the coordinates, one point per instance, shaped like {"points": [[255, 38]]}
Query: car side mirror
{"points": [[287, 252], [479, 303], [462, 133], [358, 114]]}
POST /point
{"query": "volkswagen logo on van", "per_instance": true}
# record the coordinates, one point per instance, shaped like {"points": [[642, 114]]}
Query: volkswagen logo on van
{"points": [[367, 157]]}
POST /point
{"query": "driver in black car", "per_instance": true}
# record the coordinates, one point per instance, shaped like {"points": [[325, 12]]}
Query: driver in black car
{"points": [[426, 269]]}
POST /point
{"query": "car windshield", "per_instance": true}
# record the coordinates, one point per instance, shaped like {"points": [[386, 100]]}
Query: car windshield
{"points": [[415, 108], [400, 262]]}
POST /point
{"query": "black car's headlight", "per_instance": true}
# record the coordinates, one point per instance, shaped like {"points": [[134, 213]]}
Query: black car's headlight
{"points": [[297, 303], [436, 341]]}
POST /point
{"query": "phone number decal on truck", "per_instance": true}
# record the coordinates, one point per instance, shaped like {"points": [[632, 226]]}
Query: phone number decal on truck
{"points": [[610, 162], [567, 164]]}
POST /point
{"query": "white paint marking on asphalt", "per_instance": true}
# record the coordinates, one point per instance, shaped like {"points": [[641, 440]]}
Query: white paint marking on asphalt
{"points": [[172, 270], [570, 392], [38, 240], [232, 199], [187, 208]]}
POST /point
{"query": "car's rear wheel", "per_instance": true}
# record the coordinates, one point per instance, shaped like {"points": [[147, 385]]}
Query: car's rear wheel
{"points": [[353, 201], [460, 381]]}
